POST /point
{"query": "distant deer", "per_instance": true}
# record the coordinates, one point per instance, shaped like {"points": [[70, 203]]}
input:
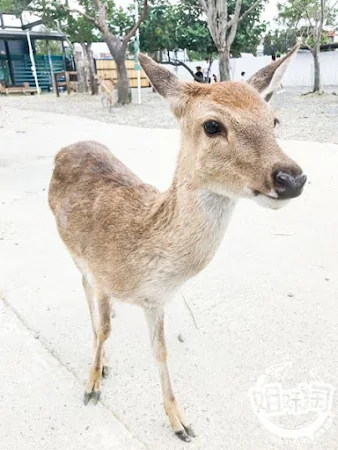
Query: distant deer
{"points": [[106, 90], [138, 245]]}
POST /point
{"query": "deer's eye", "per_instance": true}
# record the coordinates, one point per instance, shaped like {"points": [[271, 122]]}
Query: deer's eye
{"points": [[211, 128], [275, 122]]}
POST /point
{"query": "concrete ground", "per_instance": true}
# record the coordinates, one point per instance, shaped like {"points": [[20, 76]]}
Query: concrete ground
{"points": [[268, 297]]}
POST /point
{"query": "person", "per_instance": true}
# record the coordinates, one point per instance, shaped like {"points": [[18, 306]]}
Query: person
{"points": [[242, 76], [214, 78], [199, 74]]}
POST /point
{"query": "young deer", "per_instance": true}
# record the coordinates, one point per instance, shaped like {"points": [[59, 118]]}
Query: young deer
{"points": [[106, 90], [137, 245]]}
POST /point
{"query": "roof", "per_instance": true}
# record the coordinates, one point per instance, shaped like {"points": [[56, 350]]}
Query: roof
{"points": [[21, 34], [329, 46]]}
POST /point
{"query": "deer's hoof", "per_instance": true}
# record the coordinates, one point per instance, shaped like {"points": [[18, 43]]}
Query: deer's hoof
{"points": [[105, 372], [94, 395], [190, 431], [183, 436]]}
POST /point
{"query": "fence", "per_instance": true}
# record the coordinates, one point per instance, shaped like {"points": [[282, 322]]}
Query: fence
{"points": [[23, 73], [106, 68], [299, 73]]}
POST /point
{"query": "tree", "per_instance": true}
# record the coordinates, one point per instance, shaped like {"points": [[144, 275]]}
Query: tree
{"points": [[279, 41], [13, 6], [97, 13], [111, 23], [183, 25], [102, 15], [77, 30], [159, 30], [309, 17], [250, 29], [170, 27], [223, 18], [81, 31]]}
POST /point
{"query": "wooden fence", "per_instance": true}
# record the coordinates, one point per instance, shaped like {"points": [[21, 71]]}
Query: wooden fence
{"points": [[106, 68]]}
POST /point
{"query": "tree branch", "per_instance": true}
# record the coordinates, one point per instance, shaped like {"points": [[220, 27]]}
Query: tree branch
{"points": [[71, 45], [333, 6], [321, 24], [233, 24], [204, 5], [306, 12], [101, 9], [248, 11], [143, 15], [177, 63], [81, 13]]}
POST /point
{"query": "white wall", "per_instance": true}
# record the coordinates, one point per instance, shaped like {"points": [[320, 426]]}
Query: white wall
{"points": [[299, 73]]}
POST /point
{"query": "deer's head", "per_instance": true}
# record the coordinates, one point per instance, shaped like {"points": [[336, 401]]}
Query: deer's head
{"points": [[229, 143]]}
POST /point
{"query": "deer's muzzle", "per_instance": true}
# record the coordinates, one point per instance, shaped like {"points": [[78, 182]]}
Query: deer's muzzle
{"points": [[287, 185]]}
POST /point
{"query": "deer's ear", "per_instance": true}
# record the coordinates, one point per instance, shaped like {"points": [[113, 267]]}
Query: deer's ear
{"points": [[267, 80], [164, 81]]}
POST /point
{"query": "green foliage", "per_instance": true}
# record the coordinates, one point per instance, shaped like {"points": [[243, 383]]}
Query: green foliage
{"points": [[13, 6], [119, 20], [168, 26], [279, 41], [304, 17], [43, 47], [295, 11], [250, 30], [193, 32], [183, 26], [76, 27], [159, 30]]}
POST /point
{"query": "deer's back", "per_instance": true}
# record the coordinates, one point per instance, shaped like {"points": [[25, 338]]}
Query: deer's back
{"points": [[106, 87], [99, 204]]}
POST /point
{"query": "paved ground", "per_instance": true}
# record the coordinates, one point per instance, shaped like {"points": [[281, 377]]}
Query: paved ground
{"points": [[309, 118], [269, 296]]}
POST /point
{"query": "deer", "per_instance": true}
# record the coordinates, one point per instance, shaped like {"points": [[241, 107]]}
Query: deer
{"points": [[106, 88], [135, 244]]}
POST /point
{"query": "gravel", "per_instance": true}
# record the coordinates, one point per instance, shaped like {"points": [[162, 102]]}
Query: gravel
{"points": [[303, 117]]}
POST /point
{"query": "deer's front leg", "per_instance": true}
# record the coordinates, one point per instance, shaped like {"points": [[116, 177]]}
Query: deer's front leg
{"points": [[181, 427]]}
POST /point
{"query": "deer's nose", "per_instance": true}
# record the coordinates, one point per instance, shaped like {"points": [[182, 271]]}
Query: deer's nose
{"points": [[287, 185]]}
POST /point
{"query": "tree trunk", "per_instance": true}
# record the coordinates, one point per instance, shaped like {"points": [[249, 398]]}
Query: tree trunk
{"points": [[91, 67], [123, 89], [80, 71], [118, 52], [224, 70], [85, 66], [316, 84]]}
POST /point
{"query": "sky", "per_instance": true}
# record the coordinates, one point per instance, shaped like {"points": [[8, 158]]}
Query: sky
{"points": [[270, 11]]}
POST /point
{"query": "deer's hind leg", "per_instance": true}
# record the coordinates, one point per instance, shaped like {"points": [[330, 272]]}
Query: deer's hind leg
{"points": [[100, 311]]}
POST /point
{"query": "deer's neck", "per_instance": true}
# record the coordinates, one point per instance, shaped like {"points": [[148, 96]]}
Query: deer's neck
{"points": [[191, 222]]}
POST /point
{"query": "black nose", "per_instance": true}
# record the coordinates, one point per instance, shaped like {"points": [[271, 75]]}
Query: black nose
{"points": [[287, 185]]}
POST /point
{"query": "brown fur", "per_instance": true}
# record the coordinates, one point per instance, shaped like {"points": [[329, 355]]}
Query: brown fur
{"points": [[135, 244], [106, 90]]}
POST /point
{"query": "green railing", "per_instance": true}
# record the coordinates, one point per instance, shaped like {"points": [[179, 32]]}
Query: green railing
{"points": [[22, 68]]}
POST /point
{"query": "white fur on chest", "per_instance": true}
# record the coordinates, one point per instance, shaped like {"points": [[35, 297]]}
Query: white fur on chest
{"points": [[170, 272]]}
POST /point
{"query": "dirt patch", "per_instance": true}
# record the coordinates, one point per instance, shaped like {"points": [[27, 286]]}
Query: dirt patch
{"points": [[309, 117]]}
